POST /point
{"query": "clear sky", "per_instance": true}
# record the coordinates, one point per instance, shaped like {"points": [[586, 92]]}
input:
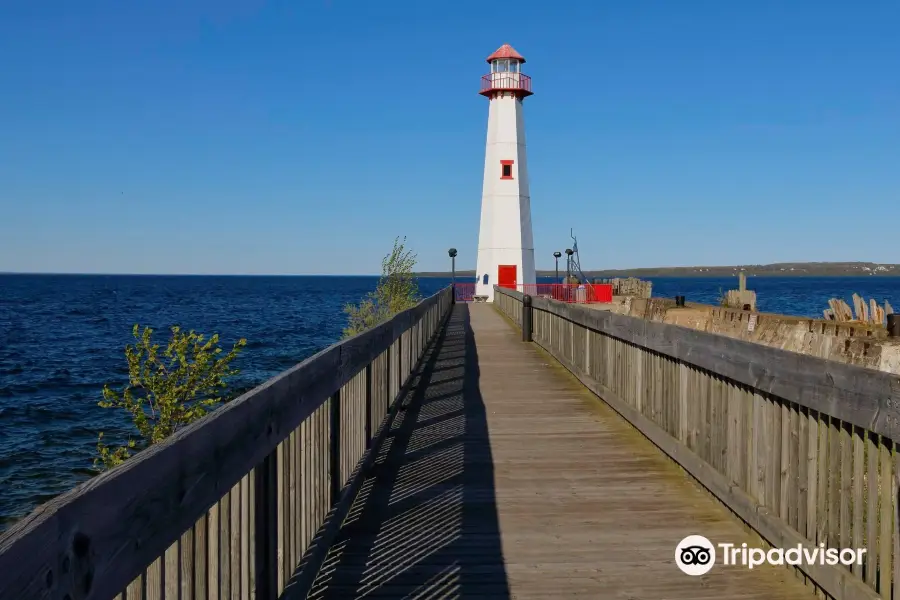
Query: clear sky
{"points": [[302, 136]]}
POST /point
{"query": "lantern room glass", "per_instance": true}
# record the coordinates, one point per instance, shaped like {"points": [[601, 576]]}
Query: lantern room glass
{"points": [[505, 65]]}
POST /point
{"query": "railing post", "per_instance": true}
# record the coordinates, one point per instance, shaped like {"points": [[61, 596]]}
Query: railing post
{"points": [[587, 351], [387, 379], [526, 318], [334, 453], [400, 361], [369, 395], [265, 507]]}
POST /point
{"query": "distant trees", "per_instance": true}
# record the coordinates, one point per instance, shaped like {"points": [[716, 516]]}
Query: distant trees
{"points": [[167, 389], [396, 291]]}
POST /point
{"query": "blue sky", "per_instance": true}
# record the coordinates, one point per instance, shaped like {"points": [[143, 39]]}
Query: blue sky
{"points": [[244, 136]]}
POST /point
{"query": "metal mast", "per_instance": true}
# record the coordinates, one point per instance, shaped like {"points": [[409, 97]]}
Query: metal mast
{"points": [[575, 262]]}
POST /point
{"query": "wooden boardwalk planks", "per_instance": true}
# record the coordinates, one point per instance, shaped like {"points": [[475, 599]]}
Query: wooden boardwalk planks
{"points": [[504, 477]]}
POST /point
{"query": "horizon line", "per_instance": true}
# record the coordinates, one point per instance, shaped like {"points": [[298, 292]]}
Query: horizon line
{"points": [[81, 273], [440, 272], [113, 274]]}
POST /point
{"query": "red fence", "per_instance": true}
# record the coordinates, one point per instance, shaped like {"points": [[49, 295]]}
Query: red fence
{"points": [[576, 293], [465, 292]]}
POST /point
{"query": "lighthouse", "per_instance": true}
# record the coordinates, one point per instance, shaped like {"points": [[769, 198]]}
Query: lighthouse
{"points": [[505, 241]]}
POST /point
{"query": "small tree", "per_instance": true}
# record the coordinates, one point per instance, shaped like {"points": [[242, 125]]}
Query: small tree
{"points": [[397, 290], [166, 391]]}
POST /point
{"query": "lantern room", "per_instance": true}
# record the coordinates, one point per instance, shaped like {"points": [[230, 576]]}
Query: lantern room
{"points": [[506, 75]]}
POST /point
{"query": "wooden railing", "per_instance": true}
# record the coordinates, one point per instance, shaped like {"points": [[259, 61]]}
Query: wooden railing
{"points": [[230, 506], [801, 448]]}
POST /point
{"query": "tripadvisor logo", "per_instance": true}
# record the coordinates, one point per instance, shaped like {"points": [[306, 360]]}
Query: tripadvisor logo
{"points": [[695, 555]]}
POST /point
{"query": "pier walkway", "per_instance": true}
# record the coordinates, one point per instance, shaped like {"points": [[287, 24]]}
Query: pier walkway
{"points": [[527, 448], [502, 476]]}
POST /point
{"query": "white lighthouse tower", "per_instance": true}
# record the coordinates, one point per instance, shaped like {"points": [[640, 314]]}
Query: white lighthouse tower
{"points": [[505, 241]]}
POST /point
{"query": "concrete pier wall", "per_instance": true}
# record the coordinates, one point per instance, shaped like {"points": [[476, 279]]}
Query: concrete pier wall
{"points": [[852, 343]]}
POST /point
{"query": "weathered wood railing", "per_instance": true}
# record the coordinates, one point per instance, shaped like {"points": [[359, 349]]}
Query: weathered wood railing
{"points": [[228, 507], [800, 448]]}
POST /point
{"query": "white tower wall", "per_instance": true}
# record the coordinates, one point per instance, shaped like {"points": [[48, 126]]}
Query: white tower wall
{"points": [[505, 237]]}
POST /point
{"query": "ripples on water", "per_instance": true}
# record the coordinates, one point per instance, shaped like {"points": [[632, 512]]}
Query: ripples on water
{"points": [[800, 296], [62, 337]]}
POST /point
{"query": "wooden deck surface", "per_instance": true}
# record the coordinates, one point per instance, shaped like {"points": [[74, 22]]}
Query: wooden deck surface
{"points": [[504, 477]]}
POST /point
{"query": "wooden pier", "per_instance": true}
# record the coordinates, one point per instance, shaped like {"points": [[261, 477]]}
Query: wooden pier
{"points": [[505, 477], [440, 456]]}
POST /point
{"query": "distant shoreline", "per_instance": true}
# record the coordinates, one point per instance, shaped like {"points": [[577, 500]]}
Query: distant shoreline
{"points": [[857, 269], [844, 269]]}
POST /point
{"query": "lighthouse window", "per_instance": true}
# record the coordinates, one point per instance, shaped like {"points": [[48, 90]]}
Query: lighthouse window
{"points": [[506, 169], [505, 65]]}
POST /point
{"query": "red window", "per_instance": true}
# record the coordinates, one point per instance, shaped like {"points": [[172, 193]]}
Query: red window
{"points": [[506, 169]]}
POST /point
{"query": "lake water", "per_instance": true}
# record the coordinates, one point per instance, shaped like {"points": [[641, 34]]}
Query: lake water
{"points": [[62, 337]]}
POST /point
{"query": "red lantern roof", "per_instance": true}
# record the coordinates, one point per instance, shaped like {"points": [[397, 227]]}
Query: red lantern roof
{"points": [[506, 51]]}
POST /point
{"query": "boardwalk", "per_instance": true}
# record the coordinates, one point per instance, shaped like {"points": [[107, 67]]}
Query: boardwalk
{"points": [[503, 477]]}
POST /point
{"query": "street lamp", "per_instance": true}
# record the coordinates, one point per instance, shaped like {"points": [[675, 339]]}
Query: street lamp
{"points": [[569, 254], [452, 253], [556, 255]]}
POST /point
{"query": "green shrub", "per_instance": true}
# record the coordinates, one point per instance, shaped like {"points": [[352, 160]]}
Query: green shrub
{"points": [[397, 291], [167, 390]]}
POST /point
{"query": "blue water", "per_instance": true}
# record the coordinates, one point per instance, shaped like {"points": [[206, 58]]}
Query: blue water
{"points": [[62, 337], [800, 296]]}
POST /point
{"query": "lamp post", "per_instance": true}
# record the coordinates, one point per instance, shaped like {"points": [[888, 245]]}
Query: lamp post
{"points": [[569, 254], [556, 255], [452, 253]]}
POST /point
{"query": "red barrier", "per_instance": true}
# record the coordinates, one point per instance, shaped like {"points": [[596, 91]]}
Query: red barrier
{"points": [[465, 292], [573, 293]]}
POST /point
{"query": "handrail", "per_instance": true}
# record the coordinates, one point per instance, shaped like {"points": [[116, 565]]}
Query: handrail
{"points": [[801, 448], [505, 81], [864, 397], [240, 470]]}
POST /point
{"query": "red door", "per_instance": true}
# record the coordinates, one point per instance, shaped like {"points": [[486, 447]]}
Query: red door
{"points": [[506, 276]]}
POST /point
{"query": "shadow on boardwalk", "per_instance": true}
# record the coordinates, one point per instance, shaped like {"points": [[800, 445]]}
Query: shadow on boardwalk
{"points": [[425, 522]]}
